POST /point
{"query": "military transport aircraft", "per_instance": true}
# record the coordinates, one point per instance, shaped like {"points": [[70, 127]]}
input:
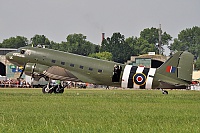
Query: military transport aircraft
{"points": [[175, 73]]}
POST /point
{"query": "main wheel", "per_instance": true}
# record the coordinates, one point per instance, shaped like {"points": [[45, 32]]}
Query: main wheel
{"points": [[58, 90], [47, 89]]}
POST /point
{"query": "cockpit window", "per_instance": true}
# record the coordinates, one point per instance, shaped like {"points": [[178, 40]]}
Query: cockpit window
{"points": [[22, 51]]}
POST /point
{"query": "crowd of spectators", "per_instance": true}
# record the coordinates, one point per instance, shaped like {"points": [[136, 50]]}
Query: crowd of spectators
{"points": [[14, 83], [22, 83]]}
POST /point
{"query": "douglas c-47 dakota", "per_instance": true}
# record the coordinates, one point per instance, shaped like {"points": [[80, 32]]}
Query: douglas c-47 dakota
{"points": [[175, 73]]}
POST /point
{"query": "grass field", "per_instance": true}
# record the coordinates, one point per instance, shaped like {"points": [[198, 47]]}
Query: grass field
{"points": [[101, 111]]}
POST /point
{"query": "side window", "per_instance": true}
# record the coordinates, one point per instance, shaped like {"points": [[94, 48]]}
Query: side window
{"points": [[91, 69], [53, 61], [22, 51], [62, 63], [100, 71], [72, 65], [81, 67]]}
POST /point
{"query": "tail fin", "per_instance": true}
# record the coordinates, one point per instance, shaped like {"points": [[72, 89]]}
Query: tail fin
{"points": [[180, 64]]}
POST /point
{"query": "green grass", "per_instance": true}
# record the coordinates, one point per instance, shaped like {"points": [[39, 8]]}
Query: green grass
{"points": [[101, 111]]}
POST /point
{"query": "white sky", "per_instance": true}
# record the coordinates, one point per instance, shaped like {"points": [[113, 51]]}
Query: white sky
{"points": [[56, 19]]}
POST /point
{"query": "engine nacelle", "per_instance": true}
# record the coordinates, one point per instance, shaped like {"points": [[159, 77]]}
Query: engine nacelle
{"points": [[35, 70]]}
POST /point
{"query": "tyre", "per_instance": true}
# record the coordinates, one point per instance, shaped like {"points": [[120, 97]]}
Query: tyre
{"points": [[47, 89]]}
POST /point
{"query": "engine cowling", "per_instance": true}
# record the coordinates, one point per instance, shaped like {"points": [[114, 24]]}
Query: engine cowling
{"points": [[35, 70]]}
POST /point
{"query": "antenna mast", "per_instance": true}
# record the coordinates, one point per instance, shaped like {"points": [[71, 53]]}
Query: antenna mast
{"points": [[159, 39]]}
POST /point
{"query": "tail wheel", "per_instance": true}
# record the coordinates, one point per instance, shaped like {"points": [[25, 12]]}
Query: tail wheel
{"points": [[165, 92]]}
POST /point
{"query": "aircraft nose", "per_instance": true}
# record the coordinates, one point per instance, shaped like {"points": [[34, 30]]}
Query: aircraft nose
{"points": [[9, 56]]}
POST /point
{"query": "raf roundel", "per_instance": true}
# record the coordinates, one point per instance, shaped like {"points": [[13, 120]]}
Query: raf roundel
{"points": [[139, 79]]}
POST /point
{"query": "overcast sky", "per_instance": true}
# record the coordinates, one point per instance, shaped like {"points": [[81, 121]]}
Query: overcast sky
{"points": [[56, 19]]}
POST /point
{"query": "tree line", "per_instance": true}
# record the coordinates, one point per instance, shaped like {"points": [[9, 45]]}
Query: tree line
{"points": [[118, 48]]}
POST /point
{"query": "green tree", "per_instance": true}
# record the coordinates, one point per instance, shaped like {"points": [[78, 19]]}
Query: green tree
{"points": [[102, 56], [135, 48], [40, 40], [106, 45], [145, 47], [14, 42], [77, 44], [54, 45], [116, 45], [152, 37], [188, 40], [140, 46], [197, 64]]}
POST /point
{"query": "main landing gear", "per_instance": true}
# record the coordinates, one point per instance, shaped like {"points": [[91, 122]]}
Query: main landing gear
{"points": [[59, 88]]}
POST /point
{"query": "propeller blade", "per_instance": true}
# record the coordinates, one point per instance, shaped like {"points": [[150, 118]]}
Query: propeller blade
{"points": [[22, 72], [32, 73]]}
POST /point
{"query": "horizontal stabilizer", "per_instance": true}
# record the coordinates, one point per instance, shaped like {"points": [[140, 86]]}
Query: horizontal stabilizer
{"points": [[170, 84]]}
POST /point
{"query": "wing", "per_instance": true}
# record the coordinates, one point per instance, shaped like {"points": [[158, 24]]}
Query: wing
{"points": [[60, 73]]}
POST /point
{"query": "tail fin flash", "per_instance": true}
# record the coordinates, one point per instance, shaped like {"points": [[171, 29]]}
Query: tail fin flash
{"points": [[180, 65]]}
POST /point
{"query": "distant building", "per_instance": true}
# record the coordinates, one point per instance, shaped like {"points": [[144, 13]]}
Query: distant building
{"points": [[4, 51], [196, 75], [5, 66], [148, 60]]}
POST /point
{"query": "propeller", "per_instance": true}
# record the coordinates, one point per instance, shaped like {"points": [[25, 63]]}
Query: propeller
{"points": [[32, 73], [22, 72]]}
